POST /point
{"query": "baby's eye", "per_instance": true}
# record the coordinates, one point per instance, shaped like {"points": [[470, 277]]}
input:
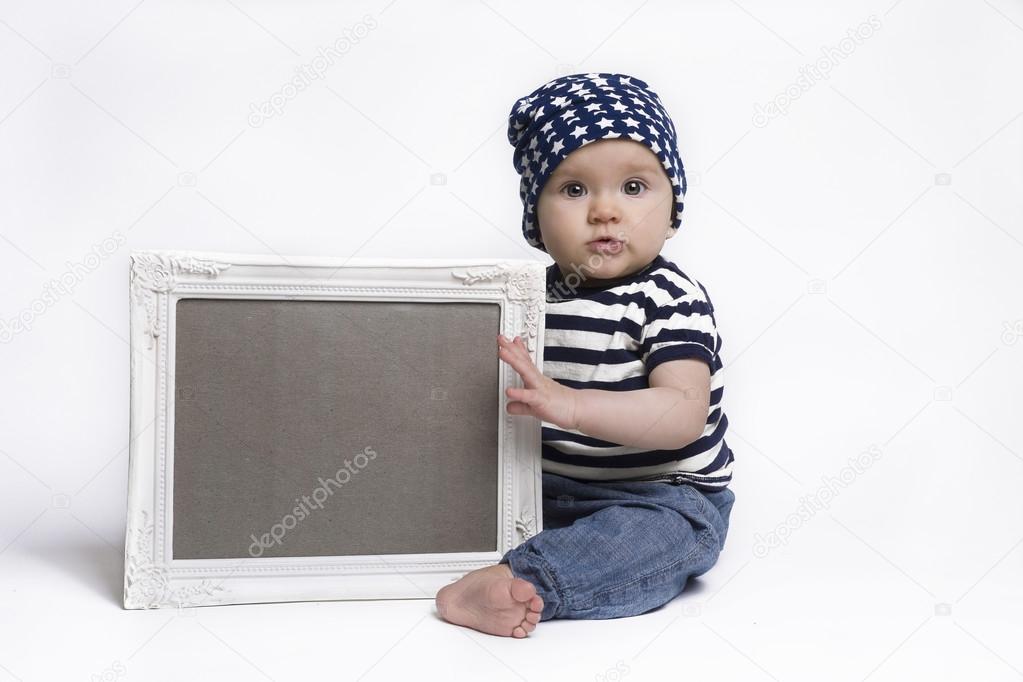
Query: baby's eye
{"points": [[634, 184], [568, 189]]}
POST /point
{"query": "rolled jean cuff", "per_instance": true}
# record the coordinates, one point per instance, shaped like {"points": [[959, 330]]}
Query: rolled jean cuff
{"points": [[526, 563]]}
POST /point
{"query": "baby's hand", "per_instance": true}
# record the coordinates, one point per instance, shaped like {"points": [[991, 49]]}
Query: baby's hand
{"points": [[542, 397]]}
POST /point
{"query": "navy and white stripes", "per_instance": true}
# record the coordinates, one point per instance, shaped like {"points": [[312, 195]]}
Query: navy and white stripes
{"points": [[611, 337]]}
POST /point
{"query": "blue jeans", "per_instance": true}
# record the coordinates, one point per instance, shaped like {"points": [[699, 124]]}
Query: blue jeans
{"points": [[610, 549]]}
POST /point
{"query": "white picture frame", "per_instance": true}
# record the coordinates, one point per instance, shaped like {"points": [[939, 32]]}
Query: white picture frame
{"points": [[160, 279]]}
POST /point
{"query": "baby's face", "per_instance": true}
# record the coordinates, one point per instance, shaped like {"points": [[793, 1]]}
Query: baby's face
{"points": [[613, 188]]}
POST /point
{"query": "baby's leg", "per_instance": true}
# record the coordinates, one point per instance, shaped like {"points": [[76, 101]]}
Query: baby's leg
{"points": [[615, 549]]}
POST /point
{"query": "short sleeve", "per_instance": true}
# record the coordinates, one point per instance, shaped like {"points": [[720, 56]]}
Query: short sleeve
{"points": [[682, 326]]}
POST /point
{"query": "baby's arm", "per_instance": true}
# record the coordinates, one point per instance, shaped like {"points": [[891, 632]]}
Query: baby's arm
{"points": [[670, 414]]}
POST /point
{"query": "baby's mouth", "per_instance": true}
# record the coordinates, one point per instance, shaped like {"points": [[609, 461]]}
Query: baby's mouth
{"points": [[606, 246]]}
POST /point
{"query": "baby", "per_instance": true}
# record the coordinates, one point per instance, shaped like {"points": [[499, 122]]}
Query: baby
{"points": [[635, 466]]}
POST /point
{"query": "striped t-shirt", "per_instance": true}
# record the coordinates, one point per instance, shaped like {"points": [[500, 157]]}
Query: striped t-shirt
{"points": [[611, 337]]}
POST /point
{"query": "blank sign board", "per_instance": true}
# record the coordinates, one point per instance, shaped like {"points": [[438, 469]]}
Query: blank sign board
{"points": [[321, 429], [347, 414]]}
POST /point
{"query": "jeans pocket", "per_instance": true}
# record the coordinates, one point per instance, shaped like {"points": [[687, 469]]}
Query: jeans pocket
{"points": [[721, 501], [695, 497]]}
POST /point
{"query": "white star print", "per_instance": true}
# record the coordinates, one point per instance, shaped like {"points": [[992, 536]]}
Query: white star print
{"points": [[623, 108]]}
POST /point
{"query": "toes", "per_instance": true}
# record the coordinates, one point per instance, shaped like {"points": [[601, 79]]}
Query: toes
{"points": [[527, 626], [536, 604], [532, 617], [523, 590], [518, 632], [441, 602]]}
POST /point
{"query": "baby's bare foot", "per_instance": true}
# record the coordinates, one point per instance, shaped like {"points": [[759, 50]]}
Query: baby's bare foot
{"points": [[491, 600]]}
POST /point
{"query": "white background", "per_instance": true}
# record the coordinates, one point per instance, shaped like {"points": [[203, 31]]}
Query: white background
{"points": [[862, 251]]}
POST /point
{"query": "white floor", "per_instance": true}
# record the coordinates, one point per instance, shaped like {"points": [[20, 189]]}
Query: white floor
{"points": [[850, 596], [862, 249]]}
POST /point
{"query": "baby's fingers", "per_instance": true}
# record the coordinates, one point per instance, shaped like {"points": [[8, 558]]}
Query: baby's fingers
{"points": [[516, 355], [524, 395], [520, 409]]}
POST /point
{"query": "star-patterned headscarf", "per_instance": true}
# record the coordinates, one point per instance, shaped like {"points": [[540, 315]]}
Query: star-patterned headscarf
{"points": [[564, 114]]}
